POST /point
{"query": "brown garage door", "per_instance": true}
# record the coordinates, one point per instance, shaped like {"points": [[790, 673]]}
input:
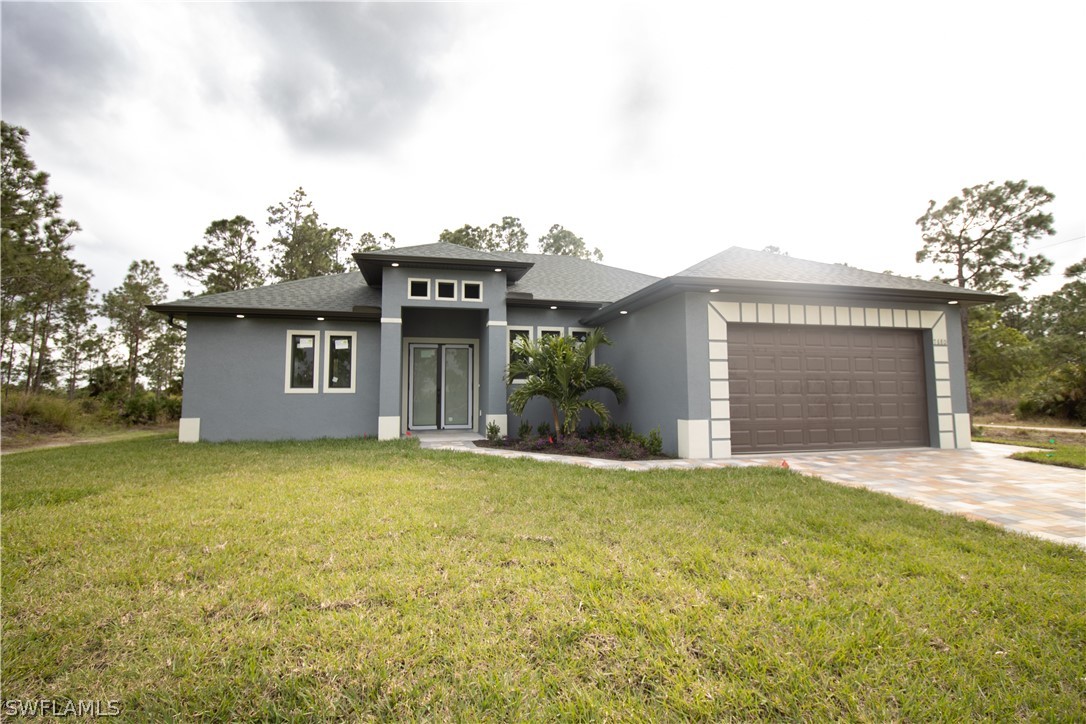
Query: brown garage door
{"points": [[825, 388]]}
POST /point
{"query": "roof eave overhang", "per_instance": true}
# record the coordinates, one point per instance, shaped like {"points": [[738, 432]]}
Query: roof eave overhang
{"points": [[373, 265], [360, 314], [547, 303], [786, 290]]}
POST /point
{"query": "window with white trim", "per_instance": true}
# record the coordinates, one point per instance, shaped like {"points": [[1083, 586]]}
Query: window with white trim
{"points": [[581, 334], [340, 351], [303, 361], [471, 291], [550, 332], [516, 333], [418, 288], [446, 289]]}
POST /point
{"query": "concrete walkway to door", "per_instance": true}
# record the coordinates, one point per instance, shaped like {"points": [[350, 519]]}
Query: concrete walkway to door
{"points": [[982, 483]]}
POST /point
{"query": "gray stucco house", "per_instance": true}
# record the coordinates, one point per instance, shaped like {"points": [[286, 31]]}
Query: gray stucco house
{"points": [[746, 351]]}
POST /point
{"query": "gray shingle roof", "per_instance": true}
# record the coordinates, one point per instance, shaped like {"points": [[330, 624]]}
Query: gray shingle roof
{"points": [[444, 250], [748, 265], [331, 294], [566, 278]]}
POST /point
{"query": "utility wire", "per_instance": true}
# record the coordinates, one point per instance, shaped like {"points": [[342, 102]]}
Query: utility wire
{"points": [[1057, 243]]}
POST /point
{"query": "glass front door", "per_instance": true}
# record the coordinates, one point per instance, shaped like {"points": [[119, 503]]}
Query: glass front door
{"points": [[440, 387]]}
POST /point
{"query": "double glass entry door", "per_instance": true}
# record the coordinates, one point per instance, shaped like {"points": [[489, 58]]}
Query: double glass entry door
{"points": [[439, 387]]}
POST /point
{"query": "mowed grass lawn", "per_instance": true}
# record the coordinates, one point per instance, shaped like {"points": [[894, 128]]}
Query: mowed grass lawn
{"points": [[355, 579]]}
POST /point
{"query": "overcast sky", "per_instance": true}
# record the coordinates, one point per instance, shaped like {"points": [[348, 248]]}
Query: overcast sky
{"points": [[662, 133]]}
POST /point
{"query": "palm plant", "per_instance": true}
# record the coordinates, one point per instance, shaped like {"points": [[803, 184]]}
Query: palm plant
{"points": [[560, 370]]}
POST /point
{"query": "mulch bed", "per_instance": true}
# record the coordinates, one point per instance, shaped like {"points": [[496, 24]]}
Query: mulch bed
{"points": [[603, 448]]}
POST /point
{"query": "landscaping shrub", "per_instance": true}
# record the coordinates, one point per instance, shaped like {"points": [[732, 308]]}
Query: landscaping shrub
{"points": [[493, 431], [524, 430]]}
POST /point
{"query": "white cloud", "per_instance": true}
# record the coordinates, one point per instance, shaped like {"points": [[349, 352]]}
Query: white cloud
{"points": [[661, 134]]}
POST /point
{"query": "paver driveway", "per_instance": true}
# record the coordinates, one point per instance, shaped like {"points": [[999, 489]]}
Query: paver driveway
{"points": [[983, 483]]}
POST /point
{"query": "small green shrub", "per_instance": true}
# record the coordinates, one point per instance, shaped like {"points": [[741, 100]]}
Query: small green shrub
{"points": [[655, 443], [524, 430], [493, 431], [544, 429]]}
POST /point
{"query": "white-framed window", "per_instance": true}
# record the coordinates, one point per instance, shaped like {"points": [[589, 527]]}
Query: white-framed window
{"points": [[471, 291], [340, 354], [581, 334], [514, 334], [542, 332], [418, 288], [303, 361], [445, 289]]}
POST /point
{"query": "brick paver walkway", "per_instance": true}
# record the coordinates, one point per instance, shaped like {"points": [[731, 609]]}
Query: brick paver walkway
{"points": [[981, 483]]}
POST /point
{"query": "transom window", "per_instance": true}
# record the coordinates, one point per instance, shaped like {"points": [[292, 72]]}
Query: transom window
{"points": [[418, 288], [473, 292], [446, 289]]}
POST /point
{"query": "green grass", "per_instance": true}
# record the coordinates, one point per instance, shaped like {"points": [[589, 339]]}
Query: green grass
{"points": [[364, 580], [1068, 456]]}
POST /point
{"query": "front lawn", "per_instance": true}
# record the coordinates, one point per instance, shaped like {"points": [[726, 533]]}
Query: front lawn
{"points": [[355, 579]]}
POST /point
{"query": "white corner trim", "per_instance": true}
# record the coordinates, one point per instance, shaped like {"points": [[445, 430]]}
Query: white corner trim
{"points": [[388, 427], [963, 432], [188, 430], [693, 439], [502, 420], [391, 320]]}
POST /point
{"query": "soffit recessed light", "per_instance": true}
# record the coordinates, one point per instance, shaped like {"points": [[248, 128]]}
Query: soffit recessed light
{"points": [[240, 316], [395, 263], [320, 319], [953, 301], [553, 307], [623, 312], [498, 269], [713, 291]]}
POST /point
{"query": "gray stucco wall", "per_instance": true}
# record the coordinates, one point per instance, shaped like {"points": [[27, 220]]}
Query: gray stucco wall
{"points": [[234, 382], [654, 354]]}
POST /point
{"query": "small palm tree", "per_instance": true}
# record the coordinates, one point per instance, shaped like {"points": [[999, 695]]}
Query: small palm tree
{"points": [[560, 370]]}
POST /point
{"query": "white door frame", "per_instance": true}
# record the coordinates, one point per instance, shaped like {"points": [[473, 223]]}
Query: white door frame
{"points": [[405, 376]]}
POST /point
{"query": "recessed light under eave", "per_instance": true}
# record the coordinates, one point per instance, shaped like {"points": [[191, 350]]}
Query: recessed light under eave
{"points": [[240, 316], [498, 269], [953, 301], [713, 291], [623, 312], [554, 306]]}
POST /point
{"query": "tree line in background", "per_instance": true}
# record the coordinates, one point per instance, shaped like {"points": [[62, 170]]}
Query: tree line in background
{"points": [[1024, 356], [132, 365]]}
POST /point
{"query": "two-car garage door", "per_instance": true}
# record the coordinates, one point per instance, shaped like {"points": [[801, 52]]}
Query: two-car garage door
{"points": [[825, 388]]}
